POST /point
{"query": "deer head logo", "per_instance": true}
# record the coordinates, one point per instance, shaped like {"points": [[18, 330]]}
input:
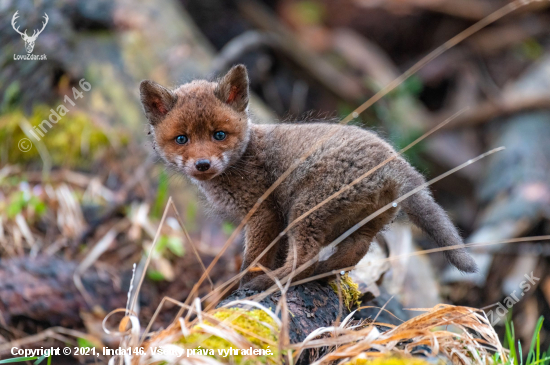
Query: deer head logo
{"points": [[29, 41]]}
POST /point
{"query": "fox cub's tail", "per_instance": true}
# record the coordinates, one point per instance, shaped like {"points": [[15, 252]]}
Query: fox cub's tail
{"points": [[424, 212]]}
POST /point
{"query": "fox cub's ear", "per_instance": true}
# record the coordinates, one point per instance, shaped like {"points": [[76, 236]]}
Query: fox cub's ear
{"points": [[157, 100], [232, 89]]}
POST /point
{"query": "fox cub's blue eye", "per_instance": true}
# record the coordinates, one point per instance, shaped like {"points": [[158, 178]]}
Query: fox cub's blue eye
{"points": [[219, 135], [181, 139]]}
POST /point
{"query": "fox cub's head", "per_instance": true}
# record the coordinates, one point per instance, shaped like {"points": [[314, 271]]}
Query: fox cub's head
{"points": [[201, 128]]}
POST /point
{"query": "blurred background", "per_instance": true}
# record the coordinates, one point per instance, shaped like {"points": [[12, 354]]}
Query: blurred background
{"points": [[81, 198]]}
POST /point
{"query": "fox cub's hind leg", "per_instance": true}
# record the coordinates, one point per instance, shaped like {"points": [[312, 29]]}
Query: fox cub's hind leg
{"points": [[348, 253], [353, 248], [306, 240]]}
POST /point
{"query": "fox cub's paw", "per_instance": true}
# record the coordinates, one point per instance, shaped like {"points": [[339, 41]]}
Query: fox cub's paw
{"points": [[259, 283]]}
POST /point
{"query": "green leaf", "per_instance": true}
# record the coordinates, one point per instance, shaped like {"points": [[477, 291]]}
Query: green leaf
{"points": [[16, 205], [38, 205], [413, 85], [155, 275], [162, 195], [84, 343], [520, 354], [161, 244], [175, 244], [531, 49], [541, 361]]}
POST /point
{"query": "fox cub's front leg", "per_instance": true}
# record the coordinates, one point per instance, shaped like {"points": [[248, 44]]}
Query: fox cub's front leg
{"points": [[261, 230]]}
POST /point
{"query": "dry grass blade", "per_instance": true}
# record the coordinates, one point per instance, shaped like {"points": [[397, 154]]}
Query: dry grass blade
{"points": [[188, 237], [432, 250], [473, 342], [150, 255]]}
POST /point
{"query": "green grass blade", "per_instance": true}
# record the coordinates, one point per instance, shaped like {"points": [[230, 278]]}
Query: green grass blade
{"points": [[520, 354], [541, 361], [538, 337], [40, 359], [18, 359], [535, 356], [510, 339]]}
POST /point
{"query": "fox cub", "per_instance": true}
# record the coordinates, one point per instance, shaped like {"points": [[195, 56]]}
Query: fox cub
{"points": [[202, 129]]}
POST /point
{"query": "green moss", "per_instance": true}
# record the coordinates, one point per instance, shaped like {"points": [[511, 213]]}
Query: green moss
{"points": [[73, 140], [254, 321], [350, 291]]}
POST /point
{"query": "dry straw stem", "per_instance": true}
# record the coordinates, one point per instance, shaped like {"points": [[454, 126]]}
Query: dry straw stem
{"points": [[507, 9], [185, 322], [432, 250], [428, 329], [150, 255], [188, 237]]}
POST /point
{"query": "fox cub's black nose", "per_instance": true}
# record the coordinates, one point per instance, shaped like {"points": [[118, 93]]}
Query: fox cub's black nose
{"points": [[202, 165]]}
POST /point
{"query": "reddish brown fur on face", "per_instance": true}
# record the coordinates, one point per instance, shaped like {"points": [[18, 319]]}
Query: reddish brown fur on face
{"points": [[190, 117]]}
